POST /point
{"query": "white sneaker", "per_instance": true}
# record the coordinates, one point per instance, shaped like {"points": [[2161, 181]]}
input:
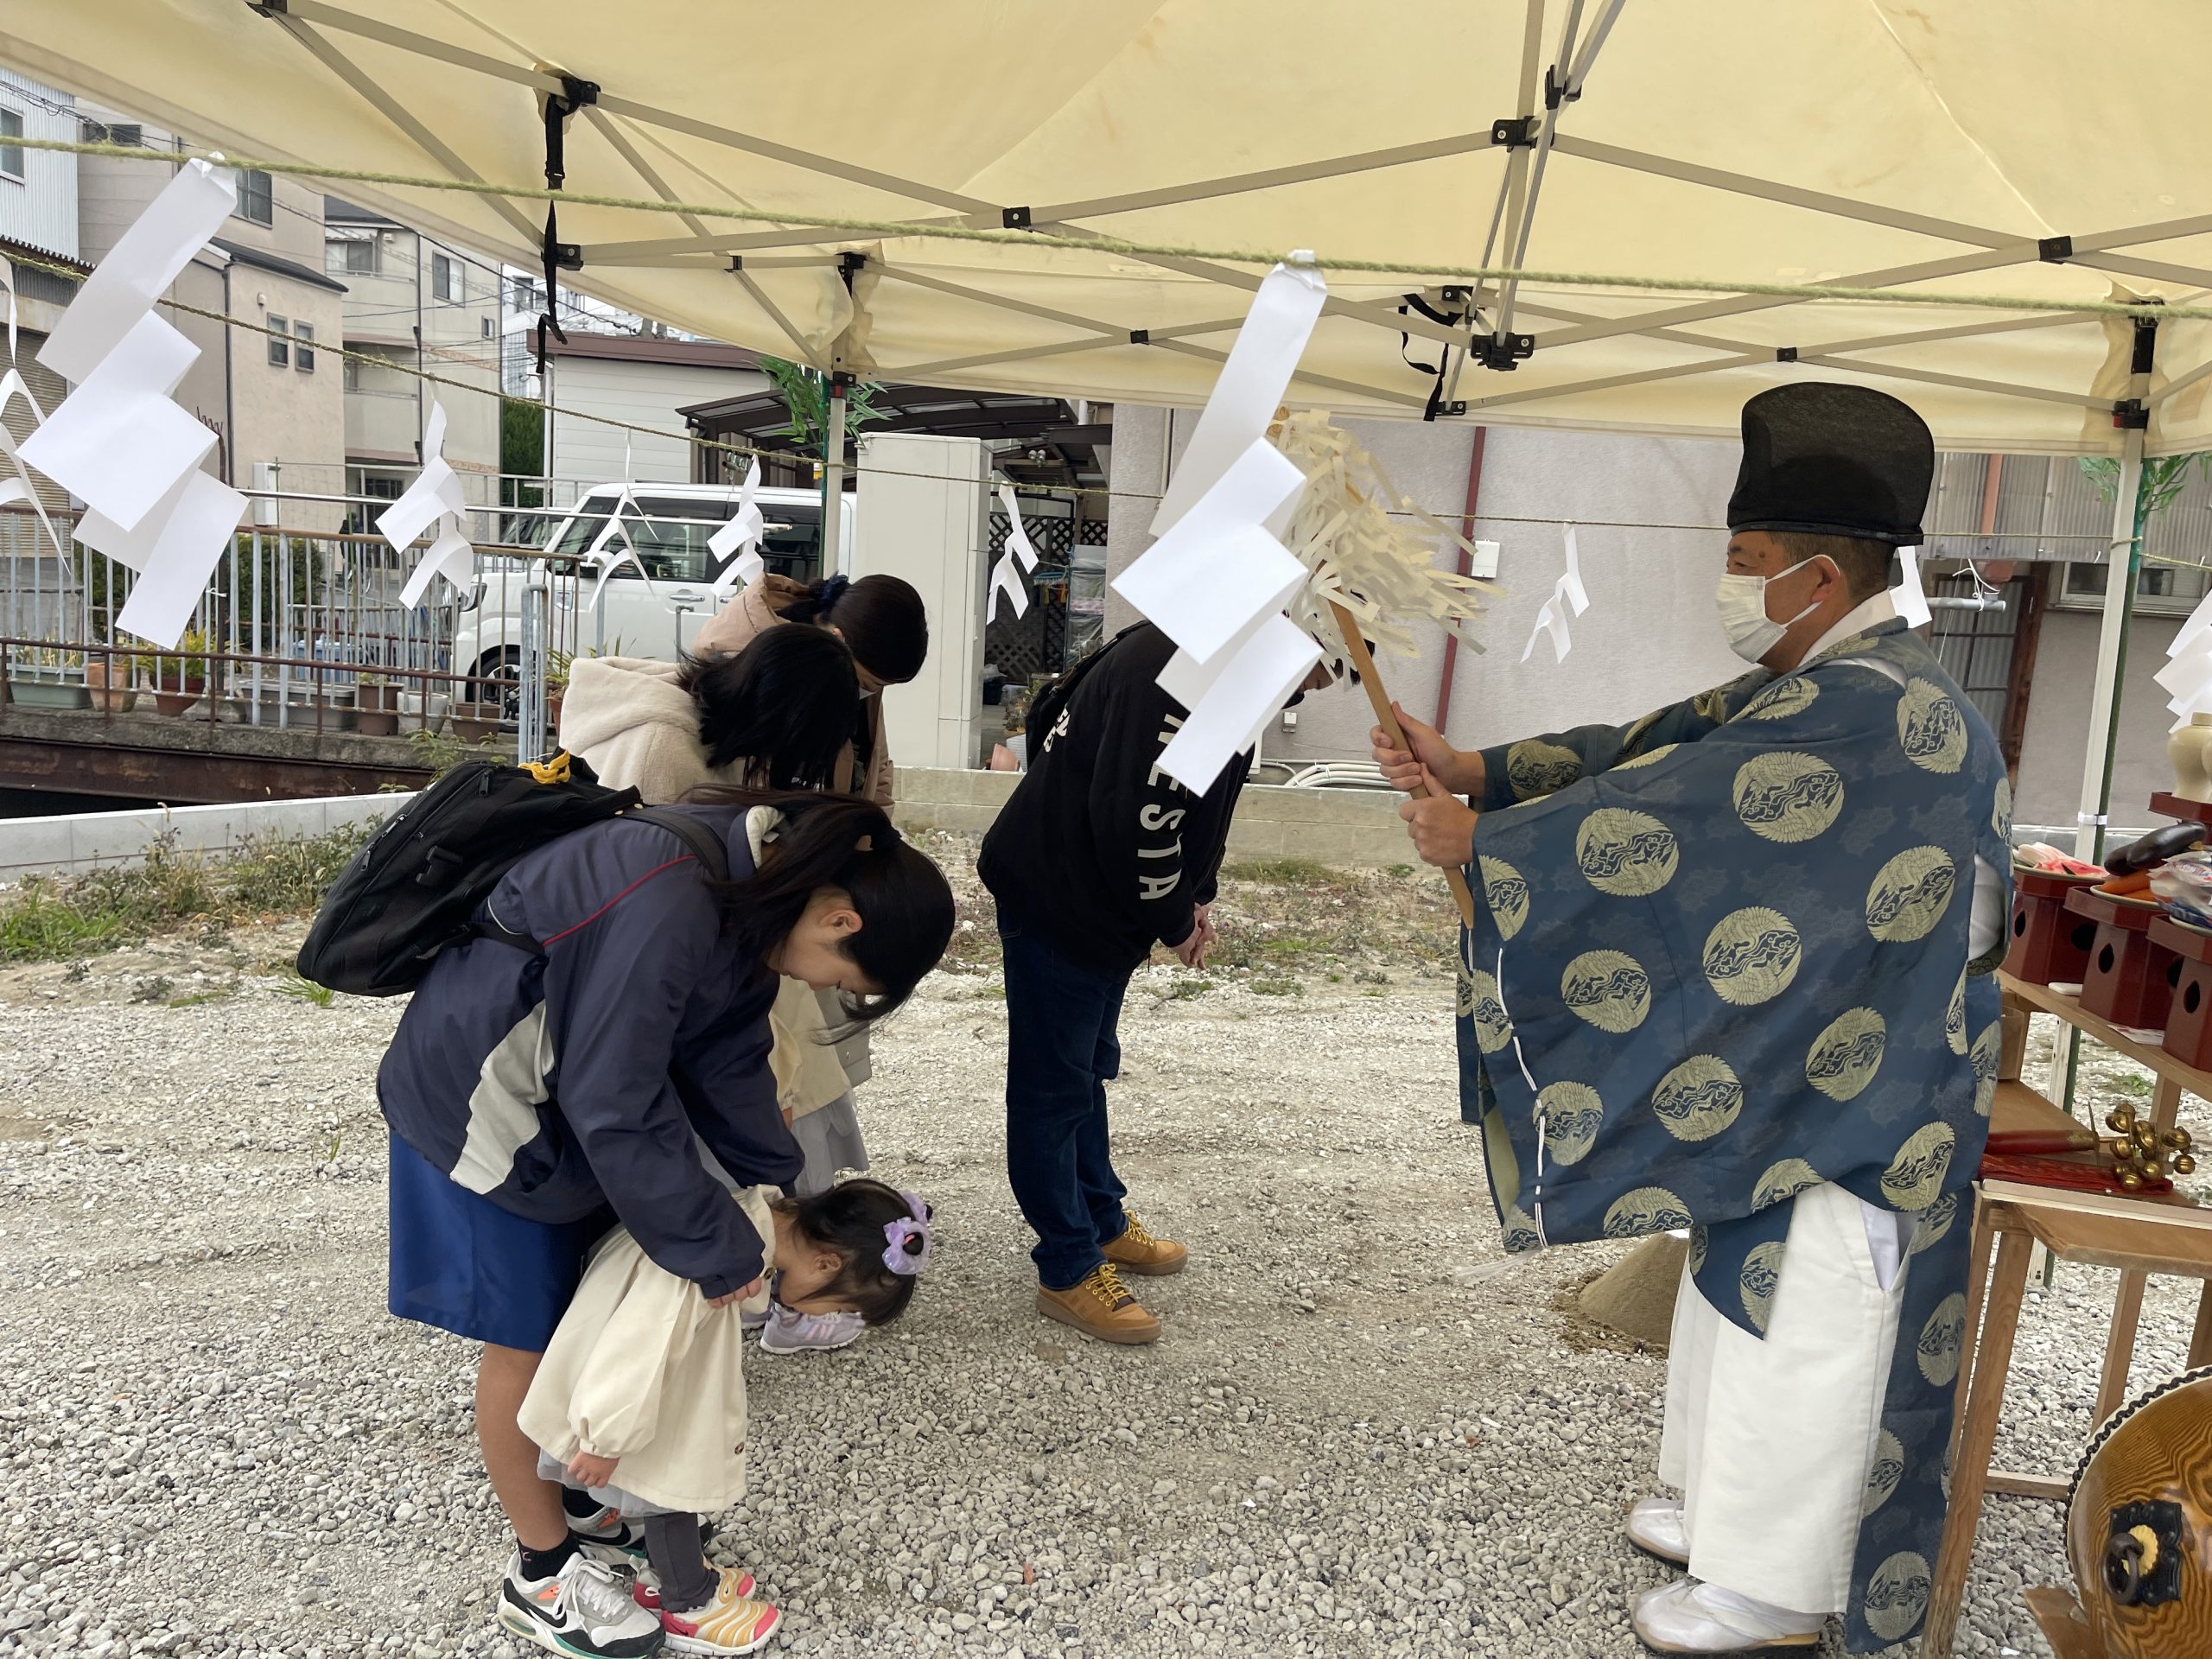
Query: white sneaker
{"points": [[787, 1332], [607, 1537], [1687, 1616], [587, 1610], [1655, 1526]]}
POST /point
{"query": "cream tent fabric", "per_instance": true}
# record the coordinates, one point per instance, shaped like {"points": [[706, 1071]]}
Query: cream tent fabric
{"points": [[1939, 143]]}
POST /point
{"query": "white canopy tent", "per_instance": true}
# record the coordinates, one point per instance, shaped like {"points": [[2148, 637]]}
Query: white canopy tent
{"points": [[2031, 151]]}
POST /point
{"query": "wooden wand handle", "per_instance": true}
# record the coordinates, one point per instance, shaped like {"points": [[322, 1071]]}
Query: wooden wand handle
{"points": [[1379, 700]]}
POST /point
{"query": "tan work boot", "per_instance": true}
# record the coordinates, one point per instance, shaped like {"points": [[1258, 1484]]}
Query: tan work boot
{"points": [[1100, 1306], [1138, 1251]]}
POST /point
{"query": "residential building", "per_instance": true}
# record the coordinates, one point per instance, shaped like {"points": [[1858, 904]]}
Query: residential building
{"points": [[644, 381], [38, 230], [416, 306], [266, 383]]}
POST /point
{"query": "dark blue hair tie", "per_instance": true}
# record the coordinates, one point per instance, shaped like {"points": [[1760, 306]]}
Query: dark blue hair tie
{"points": [[831, 591]]}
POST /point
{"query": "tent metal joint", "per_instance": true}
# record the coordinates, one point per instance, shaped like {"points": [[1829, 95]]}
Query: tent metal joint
{"points": [[2131, 415], [1558, 92], [1785, 354], [1140, 336], [1513, 132], [1504, 353], [268, 8], [2055, 249], [1013, 219]]}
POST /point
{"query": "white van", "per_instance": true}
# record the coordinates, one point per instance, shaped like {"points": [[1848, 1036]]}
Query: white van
{"points": [[659, 614]]}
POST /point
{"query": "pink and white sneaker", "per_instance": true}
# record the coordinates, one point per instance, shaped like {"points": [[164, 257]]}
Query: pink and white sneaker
{"points": [[790, 1333]]}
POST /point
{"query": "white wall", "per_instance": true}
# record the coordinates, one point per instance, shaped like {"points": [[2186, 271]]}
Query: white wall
{"points": [[645, 394], [922, 516], [1650, 635], [2055, 743]]}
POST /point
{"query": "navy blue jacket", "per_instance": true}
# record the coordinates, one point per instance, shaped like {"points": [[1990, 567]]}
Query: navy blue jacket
{"points": [[624, 1066]]}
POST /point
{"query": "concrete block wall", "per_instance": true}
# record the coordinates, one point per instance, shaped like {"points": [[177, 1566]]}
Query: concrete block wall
{"points": [[78, 842], [1351, 828]]}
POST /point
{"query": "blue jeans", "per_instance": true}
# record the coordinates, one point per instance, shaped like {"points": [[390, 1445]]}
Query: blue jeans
{"points": [[1061, 1052]]}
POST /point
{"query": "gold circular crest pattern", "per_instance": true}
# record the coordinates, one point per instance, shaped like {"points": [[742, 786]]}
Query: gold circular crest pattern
{"points": [[1985, 1055], [1625, 854], [1888, 1470], [1645, 1210], [1571, 1114], [1788, 798], [1896, 1596], [1536, 769], [1505, 890], [1760, 1277], [1930, 727], [2000, 816], [1782, 1180], [1520, 1231], [1844, 1058], [1651, 759], [1914, 1178], [1910, 894], [1699, 1098], [1955, 1016], [1781, 700], [1698, 1243], [1493, 1030], [1751, 956], [1934, 1222], [1941, 1339], [1609, 989]]}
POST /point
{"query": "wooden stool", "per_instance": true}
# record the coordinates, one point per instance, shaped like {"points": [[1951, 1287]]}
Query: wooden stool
{"points": [[2131, 978], [2149, 1239]]}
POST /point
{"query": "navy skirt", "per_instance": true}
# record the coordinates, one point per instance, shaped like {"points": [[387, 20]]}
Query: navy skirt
{"points": [[461, 1263]]}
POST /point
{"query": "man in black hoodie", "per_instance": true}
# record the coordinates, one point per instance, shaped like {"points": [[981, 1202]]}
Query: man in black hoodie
{"points": [[1098, 856]]}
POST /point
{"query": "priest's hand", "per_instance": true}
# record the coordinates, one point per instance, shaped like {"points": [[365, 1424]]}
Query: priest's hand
{"points": [[1442, 826], [1462, 774]]}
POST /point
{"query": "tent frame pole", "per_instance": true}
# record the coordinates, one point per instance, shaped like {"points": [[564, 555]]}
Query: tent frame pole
{"points": [[2124, 561]]}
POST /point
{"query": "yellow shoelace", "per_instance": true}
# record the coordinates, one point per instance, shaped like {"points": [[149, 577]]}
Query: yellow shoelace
{"points": [[1106, 1285], [1134, 1232]]}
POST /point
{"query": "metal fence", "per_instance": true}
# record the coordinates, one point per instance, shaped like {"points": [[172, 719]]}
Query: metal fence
{"points": [[297, 631]]}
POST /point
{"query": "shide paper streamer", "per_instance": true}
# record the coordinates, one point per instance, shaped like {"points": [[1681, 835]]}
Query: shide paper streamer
{"points": [[742, 536], [118, 442]]}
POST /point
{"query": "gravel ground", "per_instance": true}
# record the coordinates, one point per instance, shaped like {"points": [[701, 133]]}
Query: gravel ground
{"points": [[1366, 1431]]}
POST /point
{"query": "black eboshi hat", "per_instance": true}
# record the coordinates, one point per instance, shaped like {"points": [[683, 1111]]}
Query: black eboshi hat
{"points": [[1832, 460]]}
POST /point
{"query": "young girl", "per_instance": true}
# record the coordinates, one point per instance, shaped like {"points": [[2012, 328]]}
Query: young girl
{"points": [[618, 1071], [641, 1400]]}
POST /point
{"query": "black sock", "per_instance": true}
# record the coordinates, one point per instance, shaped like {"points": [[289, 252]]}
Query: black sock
{"points": [[545, 1563], [579, 1505], [674, 1546]]}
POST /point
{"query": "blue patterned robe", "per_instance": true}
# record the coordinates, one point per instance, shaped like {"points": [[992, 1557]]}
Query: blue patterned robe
{"points": [[1720, 956]]}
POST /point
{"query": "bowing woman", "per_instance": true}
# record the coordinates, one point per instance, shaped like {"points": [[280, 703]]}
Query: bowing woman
{"points": [[621, 1072]]}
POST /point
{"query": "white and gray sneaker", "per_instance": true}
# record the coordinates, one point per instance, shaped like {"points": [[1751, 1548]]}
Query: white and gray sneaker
{"points": [[609, 1536], [1656, 1526], [587, 1611], [789, 1332]]}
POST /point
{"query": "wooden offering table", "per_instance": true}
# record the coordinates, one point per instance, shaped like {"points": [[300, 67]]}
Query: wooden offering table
{"points": [[2138, 1236]]}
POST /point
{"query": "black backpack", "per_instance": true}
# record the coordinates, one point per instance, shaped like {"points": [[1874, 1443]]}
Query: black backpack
{"points": [[413, 890]]}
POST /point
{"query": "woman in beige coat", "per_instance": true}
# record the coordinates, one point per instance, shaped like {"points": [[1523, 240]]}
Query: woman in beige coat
{"points": [[881, 621]]}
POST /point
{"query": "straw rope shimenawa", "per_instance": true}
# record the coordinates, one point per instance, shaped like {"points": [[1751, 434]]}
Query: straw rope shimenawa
{"points": [[1102, 244]]}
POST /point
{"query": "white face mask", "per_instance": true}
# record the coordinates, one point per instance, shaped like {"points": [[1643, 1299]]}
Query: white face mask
{"points": [[1742, 599]]}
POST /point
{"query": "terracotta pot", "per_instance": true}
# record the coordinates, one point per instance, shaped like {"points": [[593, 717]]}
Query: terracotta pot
{"points": [[113, 700], [175, 702], [473, 722], [375, 698], [377, 722]]}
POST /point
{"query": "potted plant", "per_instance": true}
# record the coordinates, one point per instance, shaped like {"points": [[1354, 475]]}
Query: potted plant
{"points": [[556, 685], [48, 676], [179, 676], [475, 720], [376, 707], [101, 669]]}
